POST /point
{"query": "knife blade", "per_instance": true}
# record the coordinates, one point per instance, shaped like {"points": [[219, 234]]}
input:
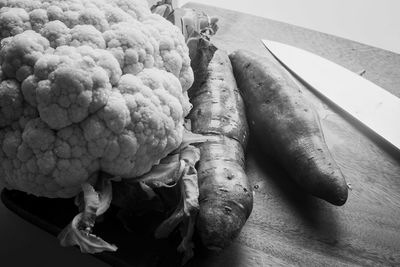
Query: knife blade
{"points": [[363, 100]]}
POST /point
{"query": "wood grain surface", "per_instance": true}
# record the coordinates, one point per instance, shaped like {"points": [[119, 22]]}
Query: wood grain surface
{"points": [[288, 227]]}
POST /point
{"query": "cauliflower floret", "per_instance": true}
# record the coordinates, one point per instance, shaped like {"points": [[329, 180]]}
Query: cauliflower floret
{"points": [[56, 32], [38, 18], [172, 48], [142, 39], [87, 35], [13, 21], [41, 160], [155, 119], [131, 46], [10, 102], [20, 53], [87, 85]]}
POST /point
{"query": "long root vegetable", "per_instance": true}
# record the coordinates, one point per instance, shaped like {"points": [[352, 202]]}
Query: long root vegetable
{"points": [[286, 125], [226, 198]]}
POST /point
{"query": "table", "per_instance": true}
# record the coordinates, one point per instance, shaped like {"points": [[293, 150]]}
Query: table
{"points": [[286, 227]]}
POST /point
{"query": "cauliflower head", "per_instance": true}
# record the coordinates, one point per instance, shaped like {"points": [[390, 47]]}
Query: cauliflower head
{"points": [[87, 85]]}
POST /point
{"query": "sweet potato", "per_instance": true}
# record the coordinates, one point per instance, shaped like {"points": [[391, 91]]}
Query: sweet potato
{"points": [[286, 125], [225, 199]]}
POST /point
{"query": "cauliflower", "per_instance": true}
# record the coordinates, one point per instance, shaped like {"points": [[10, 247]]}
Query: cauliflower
{"points": [[87, 85]]}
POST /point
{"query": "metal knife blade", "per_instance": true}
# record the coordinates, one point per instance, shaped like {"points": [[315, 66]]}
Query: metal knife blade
{"points": [[365, 101]]}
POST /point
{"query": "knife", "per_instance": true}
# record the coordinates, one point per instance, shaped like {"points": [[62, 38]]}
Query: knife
{"points": [[363, 100]]}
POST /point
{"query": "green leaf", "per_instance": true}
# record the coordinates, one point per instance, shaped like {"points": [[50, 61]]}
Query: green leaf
{"points": [[88, 243], [79, 231], [186, 212]]}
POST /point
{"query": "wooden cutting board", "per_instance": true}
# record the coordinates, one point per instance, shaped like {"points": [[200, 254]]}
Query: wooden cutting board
{"points": [[289, 228], [286, 227]]}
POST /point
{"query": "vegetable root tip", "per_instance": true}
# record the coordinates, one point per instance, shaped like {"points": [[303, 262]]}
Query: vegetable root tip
{"points": [[336, 194], [217, 228], [339, 201]]}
